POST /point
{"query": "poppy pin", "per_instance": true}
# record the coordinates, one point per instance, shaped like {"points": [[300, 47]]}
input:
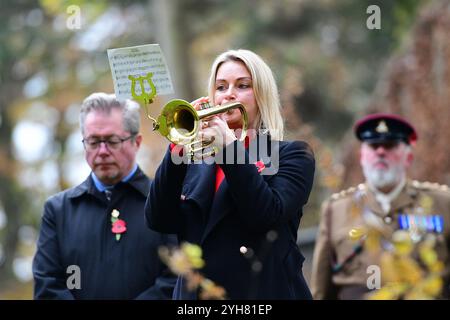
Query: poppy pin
{"points": [[260, 166], [119, 226]]}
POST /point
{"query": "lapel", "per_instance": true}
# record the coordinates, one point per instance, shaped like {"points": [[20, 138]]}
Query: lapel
{"points": [[199, 185], [87, 187], [140, 182], [222, 202], [219, 208], [372, 202], [405, 198]]}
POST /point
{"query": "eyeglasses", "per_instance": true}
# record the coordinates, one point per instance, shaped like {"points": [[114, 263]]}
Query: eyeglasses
{"points": [[112, 143]]}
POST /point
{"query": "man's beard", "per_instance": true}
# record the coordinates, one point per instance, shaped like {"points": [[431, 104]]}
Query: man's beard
{"points": [[382, 178]]}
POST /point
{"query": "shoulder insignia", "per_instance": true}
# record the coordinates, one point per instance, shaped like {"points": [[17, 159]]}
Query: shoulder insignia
{"points": [[344, 193], [430, 186]]}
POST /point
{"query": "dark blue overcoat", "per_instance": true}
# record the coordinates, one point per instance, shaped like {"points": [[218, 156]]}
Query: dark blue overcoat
{"points": [[251, 211], [76, 231]]}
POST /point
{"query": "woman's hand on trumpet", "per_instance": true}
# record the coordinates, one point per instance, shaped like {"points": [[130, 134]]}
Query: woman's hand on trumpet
{"points": [[198, 102], [214, 128]]}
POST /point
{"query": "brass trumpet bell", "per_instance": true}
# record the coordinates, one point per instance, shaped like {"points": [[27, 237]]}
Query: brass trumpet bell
{"points": [[179, 122]]}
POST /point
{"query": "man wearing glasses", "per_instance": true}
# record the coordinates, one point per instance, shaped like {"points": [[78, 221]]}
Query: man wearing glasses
{"points": [[93, 242], [365, 228]]}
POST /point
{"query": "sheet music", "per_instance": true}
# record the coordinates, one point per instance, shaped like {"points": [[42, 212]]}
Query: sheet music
{"points": [[138, 61]]}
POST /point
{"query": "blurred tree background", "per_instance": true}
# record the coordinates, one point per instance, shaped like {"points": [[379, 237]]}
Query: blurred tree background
{"points": [[330, 69]]}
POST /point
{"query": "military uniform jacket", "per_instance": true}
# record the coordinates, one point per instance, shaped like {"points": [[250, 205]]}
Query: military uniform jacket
{"points": [[259, 212], [344, 211], [76, 231]]}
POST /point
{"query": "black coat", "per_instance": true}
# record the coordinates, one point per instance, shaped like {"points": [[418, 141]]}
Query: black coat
{"points": [[252, 210], [76, 230]]}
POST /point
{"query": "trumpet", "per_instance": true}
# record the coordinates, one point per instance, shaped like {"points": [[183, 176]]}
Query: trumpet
{"points": [[179, 122]]}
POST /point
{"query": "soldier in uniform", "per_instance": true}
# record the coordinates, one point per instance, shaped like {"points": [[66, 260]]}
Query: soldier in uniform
{"points": [[387, 201]]}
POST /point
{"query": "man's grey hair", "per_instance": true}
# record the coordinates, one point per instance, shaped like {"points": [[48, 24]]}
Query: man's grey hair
{"points": [[103, 102]]}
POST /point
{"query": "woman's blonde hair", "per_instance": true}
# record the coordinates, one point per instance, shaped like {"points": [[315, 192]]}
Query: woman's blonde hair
{"points": [[264, 88]]}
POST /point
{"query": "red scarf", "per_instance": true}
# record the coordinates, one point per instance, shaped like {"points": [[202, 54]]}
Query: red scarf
{"points": [[220, 176]]}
